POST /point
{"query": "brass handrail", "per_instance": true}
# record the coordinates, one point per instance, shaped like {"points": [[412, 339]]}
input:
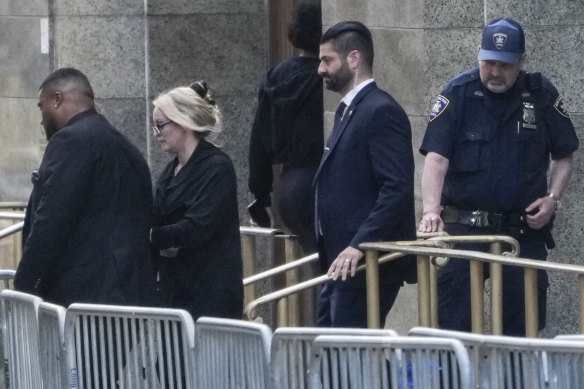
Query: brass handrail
{"points": [[13, 205], [280, 269], [11, 230], [12, 215], [285, 292], [530, 270], [248, 252]]}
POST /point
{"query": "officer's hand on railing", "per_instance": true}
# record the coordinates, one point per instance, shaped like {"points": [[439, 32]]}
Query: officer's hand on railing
{"points": [[540, 212], [431, 222]]}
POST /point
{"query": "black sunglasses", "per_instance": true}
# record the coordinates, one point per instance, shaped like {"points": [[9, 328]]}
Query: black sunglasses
{"points": [[157, 127]]}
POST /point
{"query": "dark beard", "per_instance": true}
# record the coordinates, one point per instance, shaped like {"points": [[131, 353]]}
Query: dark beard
{"points": [[338, 81], [50, 128]]}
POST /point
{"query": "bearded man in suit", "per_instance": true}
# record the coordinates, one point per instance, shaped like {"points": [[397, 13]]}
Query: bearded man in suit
{"points": [[364, 187]]}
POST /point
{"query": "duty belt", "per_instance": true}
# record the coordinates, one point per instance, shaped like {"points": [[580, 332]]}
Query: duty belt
{"points": [[494, 222], [512, 224]]}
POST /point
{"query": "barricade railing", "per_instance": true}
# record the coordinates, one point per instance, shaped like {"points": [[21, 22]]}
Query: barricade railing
{"points": [[283, 251], [291, 352], [514, 362], [232, 354], [529, 266], [131, 347], [51, 319], [20, 331], [343, 362], [7, 278]]}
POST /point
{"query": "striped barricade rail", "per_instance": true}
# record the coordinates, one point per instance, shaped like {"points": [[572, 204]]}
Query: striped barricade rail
{"points": [[51, 319], [291, 352], [364, 362], [516, 362], [131, 347], [20, 339], [232, 354], [7, 278]]}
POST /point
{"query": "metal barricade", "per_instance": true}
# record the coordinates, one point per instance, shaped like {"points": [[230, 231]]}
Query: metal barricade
{"points": [[232, 354], [51, 319], [19, 323], [343, 362], [131, 347], [291, 352], [513, 362], [7, 278]]}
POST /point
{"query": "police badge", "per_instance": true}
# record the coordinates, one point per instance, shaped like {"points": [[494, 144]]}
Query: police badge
{"points": [[499, 39], [559, 106], [529, 117], [438, 107]]}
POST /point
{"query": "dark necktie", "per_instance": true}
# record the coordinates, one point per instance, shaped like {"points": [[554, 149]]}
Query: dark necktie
{"points": [[334, 133], [337, 123]]}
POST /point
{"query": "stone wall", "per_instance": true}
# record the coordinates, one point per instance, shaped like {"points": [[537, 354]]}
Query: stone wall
{"points": [[131, 50]]}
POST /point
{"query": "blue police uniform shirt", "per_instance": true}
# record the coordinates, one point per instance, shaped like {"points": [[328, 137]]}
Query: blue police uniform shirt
{"points": [[498, 144]]}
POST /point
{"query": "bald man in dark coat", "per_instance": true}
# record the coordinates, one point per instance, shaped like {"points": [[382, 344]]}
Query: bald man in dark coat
{"points": [[87, 223]]}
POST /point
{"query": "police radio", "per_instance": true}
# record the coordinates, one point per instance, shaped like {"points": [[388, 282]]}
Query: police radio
{"points": [[532, 87]]}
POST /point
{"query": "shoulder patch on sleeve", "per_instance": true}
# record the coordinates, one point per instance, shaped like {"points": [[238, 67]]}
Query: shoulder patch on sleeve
{"points": [[559, 106], [439, 107]]}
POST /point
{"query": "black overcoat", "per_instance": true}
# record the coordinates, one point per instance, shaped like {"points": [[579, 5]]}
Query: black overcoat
{"points": [[196, 212], [87, 221]]}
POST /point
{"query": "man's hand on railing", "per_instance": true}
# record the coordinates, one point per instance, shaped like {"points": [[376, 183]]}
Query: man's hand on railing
{"points": [[345, 262]]}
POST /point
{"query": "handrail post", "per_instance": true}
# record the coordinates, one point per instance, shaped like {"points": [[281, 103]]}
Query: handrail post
{"points": [[477, 304], [496, 270], [581, 302], [292, 278], [424, 293], [372, 277], [531, 308], [282, 312], [248, 249], [16, 246], [433, 294]]}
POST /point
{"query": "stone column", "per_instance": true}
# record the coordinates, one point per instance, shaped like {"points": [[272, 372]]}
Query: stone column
{"points": [[223, 42], [24, 62]]}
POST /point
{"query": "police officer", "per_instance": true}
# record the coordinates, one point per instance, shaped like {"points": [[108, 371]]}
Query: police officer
{"points": [[488, 145]]}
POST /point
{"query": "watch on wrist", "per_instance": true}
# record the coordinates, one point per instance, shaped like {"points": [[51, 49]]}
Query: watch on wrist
{"points": [[554, 197]]}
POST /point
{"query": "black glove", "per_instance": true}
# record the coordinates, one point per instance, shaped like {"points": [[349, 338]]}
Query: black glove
{"points": [[259, 214]]}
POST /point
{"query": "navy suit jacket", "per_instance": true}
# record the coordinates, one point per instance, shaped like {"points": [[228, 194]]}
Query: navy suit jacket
{"points": [[365, 183]]}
